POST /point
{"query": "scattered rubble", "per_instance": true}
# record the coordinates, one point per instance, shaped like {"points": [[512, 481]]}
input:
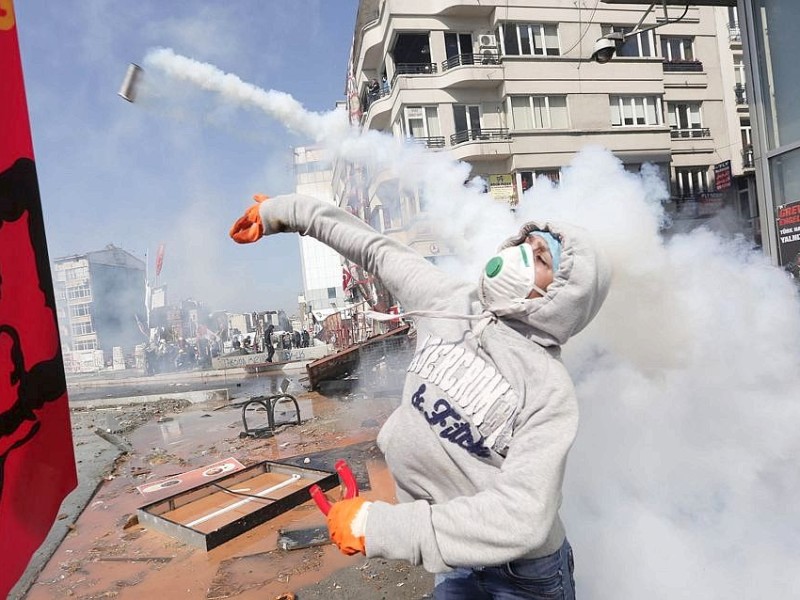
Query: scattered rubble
{"points": [[107, 553]]}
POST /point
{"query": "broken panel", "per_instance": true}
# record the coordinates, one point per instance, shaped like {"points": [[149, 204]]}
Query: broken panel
{"points": [[215, 512]]}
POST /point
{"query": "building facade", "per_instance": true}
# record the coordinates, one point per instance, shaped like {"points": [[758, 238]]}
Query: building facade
{"points": [[323, 292], [509, 87], [101, 302]]}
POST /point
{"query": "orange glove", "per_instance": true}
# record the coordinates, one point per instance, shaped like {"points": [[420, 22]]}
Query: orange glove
{"points": [[347, 524], [249, 228]]}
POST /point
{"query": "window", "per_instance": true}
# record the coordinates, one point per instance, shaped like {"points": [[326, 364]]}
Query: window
{"points": [[81, 291], [76, 273], [331, 293], [422, 122], [632, 111], [458, 48], [637, 46], [82, 328], [527, 179], [85, 345], [677, 49], [738, 70], [408, 204], [691, 181], [79, 310], [746, 132], [388, 193], [467, 121], [316, 166], [733, 18], [529, 39], [538, 112], [684, 119]]}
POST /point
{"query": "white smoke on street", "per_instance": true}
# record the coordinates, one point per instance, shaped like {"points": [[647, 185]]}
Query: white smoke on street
{"points": [[682, 482]]}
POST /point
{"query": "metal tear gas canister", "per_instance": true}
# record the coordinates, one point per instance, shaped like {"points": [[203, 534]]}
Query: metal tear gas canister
{"points": [[132, 76]]}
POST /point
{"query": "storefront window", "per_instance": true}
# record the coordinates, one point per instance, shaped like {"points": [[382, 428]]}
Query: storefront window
{"points": [[776, 45], [785, 171]]}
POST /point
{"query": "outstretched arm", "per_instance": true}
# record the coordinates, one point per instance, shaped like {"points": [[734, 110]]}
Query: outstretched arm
{"points": [[408, 276]]}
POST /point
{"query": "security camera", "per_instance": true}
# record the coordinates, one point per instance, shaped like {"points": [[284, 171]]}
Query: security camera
{"points": [[604, 50]]}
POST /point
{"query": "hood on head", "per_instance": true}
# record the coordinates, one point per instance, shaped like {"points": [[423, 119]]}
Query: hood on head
{"points": [[580, 285]]}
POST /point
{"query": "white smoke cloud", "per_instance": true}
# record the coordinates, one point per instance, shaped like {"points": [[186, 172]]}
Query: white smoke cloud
{"points": [[682, 482]]}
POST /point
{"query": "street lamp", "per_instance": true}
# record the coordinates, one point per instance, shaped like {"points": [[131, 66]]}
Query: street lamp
{"points": [[606, 46]]}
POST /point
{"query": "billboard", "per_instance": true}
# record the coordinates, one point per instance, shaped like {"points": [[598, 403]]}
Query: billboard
{"points": [[788, 217], [722, 176], [501, 187]]}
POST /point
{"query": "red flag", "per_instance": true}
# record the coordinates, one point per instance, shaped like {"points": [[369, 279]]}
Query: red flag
{"points": [[159, 259], [37, 464], [346, 278]]}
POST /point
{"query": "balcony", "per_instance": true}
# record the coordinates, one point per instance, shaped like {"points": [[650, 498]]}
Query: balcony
{"points": [[373, 95], [433, 142], [734, 34], [741, 94], [481, 135], [683, 66], [690, 132], [748, 158], [413, 69], [470, 59]]}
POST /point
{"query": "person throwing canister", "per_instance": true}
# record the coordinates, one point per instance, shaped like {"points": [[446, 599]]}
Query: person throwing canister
{"points": [[478, 446]]}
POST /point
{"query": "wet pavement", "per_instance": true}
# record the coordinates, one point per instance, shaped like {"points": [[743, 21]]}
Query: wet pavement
{"points": [[106, 553]]}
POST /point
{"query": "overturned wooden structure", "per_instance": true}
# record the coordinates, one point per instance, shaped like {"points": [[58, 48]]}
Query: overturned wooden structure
{"points": [[376, 356]]}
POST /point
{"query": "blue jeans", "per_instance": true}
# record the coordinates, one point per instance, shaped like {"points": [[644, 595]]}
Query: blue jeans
{"points": [[545, 578]]}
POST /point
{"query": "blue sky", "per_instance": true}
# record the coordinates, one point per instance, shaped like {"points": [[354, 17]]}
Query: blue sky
{"points": [[181, 168]]}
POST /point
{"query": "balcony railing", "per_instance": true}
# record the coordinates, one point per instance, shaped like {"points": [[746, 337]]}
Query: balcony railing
{"points": [[435, 141], [675, 66], [413, 69], [483, 135], [470, 59], [374, 94], [690, 132], [734, 34], [748, 158], [741, 93]]}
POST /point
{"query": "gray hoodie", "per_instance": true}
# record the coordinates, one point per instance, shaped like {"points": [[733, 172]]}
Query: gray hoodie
{"points": [[479, 444]]}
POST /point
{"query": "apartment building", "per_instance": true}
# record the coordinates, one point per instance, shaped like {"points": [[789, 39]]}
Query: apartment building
{"points": [[323, 292], [100, 295], [510, 88]]}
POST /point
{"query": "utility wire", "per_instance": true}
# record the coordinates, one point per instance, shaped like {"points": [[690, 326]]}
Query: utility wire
{"points": [[588, 24]]}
